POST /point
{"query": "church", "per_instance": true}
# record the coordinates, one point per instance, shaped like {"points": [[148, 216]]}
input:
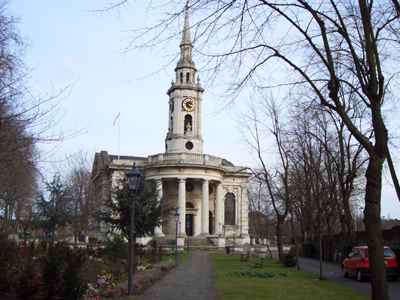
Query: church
{"points": [[210, 192]]}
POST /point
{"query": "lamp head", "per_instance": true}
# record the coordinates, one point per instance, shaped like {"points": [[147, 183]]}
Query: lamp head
{"points": [[133, 177], [176, 217]]}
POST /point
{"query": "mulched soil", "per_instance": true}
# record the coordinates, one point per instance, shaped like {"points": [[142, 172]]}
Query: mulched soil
{"points": [[142, 280]]}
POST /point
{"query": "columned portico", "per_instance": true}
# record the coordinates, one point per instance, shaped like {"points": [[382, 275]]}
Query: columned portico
{"points": [[204, 208], [159, 187], [218, 208], [182, 205]]}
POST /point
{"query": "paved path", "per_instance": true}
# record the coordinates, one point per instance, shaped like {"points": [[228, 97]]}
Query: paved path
{"points": [[193, 279]]}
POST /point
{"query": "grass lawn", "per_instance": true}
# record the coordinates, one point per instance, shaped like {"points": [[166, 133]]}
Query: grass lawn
{"points": [[291, 284]]}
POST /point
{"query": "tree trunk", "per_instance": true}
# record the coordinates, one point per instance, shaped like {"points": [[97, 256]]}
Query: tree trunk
{"points": [[279, 237], [372, 220]]}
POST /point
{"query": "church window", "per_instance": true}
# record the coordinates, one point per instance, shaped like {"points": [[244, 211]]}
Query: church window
{"points": [[181, 77], [189, 205], [188, 123], [187, 77], [230, 209], [171, 105], [189, 145], [189, 188]]}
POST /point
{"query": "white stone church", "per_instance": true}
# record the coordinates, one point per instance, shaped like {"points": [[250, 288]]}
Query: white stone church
{"points": [[210, 192]]}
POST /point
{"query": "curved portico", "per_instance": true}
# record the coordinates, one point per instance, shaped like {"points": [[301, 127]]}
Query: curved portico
{"points": [[194, 179]]}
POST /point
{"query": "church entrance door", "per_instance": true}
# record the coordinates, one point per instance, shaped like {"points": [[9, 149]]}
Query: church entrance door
{"points": [[189, 225]]}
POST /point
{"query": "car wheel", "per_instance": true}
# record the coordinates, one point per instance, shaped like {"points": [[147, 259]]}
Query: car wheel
{"points": [[360, 278], [394, 278], [344, 272]]}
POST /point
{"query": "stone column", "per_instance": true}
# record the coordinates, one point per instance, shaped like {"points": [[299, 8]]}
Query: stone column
{"points": [[204, 208], [218, 209], [159, 188], [182, 205]]}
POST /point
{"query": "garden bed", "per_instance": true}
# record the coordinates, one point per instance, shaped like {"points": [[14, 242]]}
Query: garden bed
{"points": [[142, 280]]}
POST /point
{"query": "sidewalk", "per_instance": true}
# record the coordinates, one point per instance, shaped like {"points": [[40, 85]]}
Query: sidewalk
{"points": [[193, 279]]}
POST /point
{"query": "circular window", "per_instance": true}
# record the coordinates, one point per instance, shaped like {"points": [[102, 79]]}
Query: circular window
{"points": [[189, 187], [189, 145], [210, 190]]}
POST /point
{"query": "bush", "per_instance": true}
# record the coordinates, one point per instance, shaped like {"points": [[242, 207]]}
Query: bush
{"points": [[116, 247], [9, 257], [73, 287], [51, 266], [61, 269], [289, 259], [152, 255], [308, 249], [28, 279]]}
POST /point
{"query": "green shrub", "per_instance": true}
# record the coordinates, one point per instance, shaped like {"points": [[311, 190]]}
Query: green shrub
{"points": [[73, 287], [289, 259], [9, 257], [308, 249], [51, 266], [28, 280], [152, 255], [116, 247], [61, 269]]}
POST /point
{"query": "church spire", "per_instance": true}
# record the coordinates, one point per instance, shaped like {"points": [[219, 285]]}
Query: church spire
{"points": [[186, 46]]}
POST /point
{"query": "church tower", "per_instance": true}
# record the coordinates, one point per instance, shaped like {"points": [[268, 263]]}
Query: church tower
{"points": [[184, 118]]}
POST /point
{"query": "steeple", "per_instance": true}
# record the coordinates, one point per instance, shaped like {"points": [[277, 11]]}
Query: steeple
{"points": [[184, 118], [186, 46]]}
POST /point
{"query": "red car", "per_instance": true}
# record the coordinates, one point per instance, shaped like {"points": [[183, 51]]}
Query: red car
{"points": [[357, 263]]}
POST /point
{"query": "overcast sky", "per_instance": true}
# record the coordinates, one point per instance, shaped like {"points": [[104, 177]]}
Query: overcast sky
{"points": [[72, 45]]}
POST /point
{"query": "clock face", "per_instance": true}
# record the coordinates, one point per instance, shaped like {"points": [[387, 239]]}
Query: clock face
{"points": [[188, 104]]}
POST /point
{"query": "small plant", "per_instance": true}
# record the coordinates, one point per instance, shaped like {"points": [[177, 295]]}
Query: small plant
{"points": [[251, 274], [152, 255], [289, 259], [116, 247]]}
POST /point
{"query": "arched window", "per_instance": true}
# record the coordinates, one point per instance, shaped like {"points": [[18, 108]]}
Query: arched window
{"points": [[181, 77], [229, 209], [189, 205], [188, 123], [187, 77]]}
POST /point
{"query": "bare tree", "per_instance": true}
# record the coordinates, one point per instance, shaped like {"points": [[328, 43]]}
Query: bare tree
{"points": [[276, 178], [79, 185], [259, 208]]}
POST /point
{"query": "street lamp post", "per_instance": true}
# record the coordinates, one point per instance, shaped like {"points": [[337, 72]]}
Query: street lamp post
{"points": [[187, 232], [176, 217], [133, 177]]}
